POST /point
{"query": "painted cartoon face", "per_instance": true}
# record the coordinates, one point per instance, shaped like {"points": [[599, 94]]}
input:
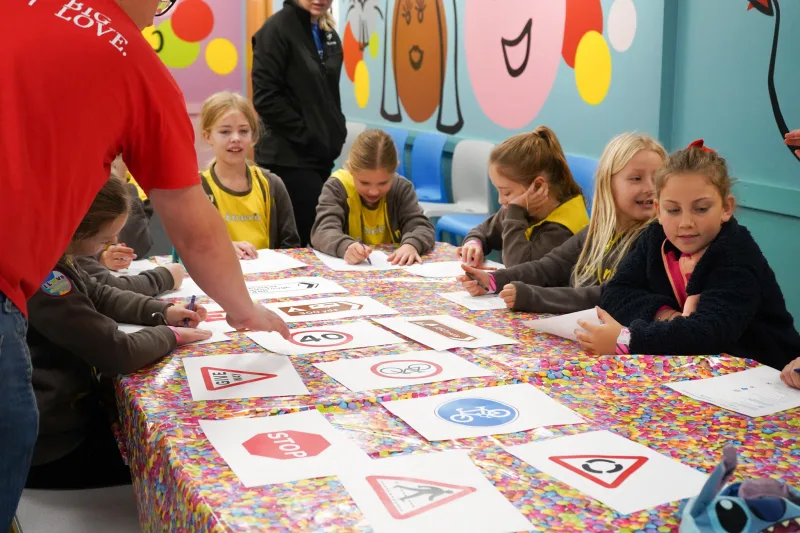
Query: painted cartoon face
{"points": [[419, 55], [513, 52], [364, 17]]}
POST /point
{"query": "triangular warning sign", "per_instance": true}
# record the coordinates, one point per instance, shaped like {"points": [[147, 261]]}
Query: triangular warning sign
{"points": [[405, 497], [608, 471], [222, 378]]}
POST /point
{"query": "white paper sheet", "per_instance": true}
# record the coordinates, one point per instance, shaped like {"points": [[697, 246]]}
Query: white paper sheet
{"points": [[136, 267], [218, 330], [282, 448], [329, 308], [378, 259], [482, 412], [487, 302], [416, 280], [325, 338], [222, 377], [754, 392], [622, 474], [563, 325], [187, 290], [292, 287], [444, 269], [269, 261], [442, 332], [390, 371], [430, 493]]}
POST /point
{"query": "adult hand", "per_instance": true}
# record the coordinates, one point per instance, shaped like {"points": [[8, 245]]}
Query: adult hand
{"points": [[405, 255], [600, 339], [789, 376], [190, 335], [793, 139], [117, 257], [178, 272], [245, 250], [509, 295], [259, 319], [176, 314], [473, 286], [356, 253], [471, 253]]}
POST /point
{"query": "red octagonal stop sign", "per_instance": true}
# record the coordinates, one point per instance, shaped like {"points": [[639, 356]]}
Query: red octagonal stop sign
{"points": [[286, 444]]}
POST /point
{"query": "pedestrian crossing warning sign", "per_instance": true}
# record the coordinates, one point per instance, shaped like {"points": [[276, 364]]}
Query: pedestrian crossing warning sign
{"points": [[222, 378], [608, 471], [405, 497]]}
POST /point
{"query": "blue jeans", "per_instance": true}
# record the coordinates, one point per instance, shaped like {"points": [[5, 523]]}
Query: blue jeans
{"points": [[19, 418]]}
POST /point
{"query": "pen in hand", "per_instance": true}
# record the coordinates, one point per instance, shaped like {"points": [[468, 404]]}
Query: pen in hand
{"points": [[362, 245], [190, 308], [481, 285]]}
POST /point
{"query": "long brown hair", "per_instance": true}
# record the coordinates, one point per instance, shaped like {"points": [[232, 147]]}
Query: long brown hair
{"points": [[525, 156], [109, 204], [697, 160], [372, 150]]}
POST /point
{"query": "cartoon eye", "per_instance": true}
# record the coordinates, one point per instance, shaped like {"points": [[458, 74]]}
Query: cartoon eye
{"points": [[405, 11], [420, 10], [731, 516]]}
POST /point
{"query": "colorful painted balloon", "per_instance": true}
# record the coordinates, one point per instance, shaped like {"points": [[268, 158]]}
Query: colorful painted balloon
{"points": [[352, 52], [174, 52], [193, 20], [513, 53], [583, 16]]}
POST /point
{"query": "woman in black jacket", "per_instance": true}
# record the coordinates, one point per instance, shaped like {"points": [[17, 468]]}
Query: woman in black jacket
{"points": [[297, 62]]}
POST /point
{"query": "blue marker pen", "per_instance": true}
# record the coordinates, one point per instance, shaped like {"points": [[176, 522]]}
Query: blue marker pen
{"points": [[190, 308]]}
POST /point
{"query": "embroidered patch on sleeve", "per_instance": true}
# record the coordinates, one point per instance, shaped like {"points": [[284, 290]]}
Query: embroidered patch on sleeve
{"points": [[57, 284]]}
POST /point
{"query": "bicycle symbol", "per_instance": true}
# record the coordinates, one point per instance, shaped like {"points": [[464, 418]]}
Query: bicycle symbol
{"points": [[477, 412], [406, 369]]}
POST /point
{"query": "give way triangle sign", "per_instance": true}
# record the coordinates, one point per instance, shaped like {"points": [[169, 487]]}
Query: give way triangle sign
{"points": [[222, 378], [608, 471], [405, 497]]}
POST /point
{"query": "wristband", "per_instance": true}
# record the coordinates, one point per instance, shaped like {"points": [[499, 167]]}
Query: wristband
{"points": [[177, 335], [623, 342], [492, 284]]}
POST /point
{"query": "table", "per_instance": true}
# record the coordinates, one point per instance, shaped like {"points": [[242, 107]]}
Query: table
{"points": [[183, 485]]}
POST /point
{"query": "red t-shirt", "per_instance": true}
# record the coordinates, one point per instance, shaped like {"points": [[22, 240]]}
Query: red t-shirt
{"points": [[80, 85]]}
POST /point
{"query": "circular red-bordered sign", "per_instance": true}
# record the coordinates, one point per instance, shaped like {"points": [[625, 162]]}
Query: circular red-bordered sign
{"points": [[406, 369], [320, 337]]}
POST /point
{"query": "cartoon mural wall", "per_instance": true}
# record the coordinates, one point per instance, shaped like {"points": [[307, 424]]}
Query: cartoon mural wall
{"points": [[513, 52], [202, 44]]}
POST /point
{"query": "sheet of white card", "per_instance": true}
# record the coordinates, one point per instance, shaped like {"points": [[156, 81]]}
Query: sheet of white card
{"points": [[482, 412], [485, 302], [563, 325], [325, 338], [258, 459], [188, 289], [231, 376], [444, 269], [429, 493], [622, 474], [754, 392], [292, 287], [329, 308], [399, 370], [443, 332], [218, 328], [378, 259], [269, 261], [136, 267]]}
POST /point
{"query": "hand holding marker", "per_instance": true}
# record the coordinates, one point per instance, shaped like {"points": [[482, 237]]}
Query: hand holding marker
{"points": [[190, 308], [362, 245]]}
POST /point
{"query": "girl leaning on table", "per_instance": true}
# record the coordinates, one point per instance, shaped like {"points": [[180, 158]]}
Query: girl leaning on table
{"points": [[570, 277], [74, 342]]}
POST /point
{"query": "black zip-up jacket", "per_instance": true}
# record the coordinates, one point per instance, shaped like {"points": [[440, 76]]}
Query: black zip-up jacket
{"points": [[296, 92], [741, 310]]}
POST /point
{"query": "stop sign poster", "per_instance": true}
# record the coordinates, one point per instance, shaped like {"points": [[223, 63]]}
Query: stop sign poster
{"points": [[325, 338], [443, 332], [430, 493], [329, 308], [391, 371], [282, 448], [232, 376], [624, 475]]}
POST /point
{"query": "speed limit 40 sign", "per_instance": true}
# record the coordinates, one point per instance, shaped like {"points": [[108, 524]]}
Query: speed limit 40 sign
{"points": [[325, 338], [320, 337]]}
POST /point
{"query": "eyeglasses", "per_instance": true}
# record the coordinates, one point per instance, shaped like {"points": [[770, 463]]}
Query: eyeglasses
{"points": [[164, 6]]}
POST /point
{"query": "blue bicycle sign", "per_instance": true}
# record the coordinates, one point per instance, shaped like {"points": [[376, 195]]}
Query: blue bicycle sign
{"points": [[477, 412]]}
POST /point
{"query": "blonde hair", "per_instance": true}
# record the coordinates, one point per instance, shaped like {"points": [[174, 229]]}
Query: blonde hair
{"points": [[326, 21], [525, 156], [220, 104], [372, 150], [603, 224], [697, 160]]}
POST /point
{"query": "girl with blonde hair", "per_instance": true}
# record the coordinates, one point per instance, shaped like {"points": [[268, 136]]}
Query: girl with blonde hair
{"points": [[569, 278]]}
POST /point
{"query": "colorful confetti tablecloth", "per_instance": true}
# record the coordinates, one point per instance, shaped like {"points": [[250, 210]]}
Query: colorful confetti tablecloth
{"points": [[183, 485]]}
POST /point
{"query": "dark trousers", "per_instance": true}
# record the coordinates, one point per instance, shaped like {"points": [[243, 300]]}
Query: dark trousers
{"points": [[304, 186]]}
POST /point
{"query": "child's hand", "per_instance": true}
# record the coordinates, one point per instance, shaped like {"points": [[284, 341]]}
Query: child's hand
{"points": [[667, 314], [190, 335], [405, 255], [509, 295], [470, 285], [691, 304], [471, 253], [245, 250], [357, 253], [533, 199], [600, 339], [117, 257], [176, 314], [793, 139], [177, 271], [789, 376]]}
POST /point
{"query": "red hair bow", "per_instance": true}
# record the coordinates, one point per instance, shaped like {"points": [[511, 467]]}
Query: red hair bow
{"points": [[699, 143]]}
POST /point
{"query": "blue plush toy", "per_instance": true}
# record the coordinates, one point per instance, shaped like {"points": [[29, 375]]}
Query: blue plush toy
{"points": [[751, 506]]}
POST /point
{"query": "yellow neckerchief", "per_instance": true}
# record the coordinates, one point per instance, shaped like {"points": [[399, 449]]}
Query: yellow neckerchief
{"points": [[355, 217], [129, 179], [571, 214], [256, 177], [605, 275]]}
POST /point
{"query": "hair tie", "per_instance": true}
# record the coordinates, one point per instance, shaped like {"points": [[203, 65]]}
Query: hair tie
{"points": [[699, 143]]}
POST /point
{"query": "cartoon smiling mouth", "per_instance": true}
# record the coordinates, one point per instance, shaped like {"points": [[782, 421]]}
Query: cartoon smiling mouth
{"points": [[415, 57], [513, 44]]}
